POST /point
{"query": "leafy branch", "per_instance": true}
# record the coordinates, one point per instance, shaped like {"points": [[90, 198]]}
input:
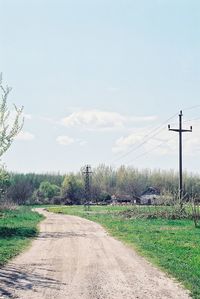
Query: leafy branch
{"points": [[8, 130]]}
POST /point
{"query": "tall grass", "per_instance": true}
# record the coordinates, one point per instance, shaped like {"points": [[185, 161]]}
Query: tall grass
{"points": [[17, 228]]}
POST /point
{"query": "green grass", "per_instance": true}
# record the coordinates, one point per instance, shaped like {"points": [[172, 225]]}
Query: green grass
{"points": [[173, 245], [17, 228]]}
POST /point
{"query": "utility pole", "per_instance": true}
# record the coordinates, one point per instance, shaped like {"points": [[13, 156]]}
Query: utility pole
{"points": [[180, 131], [87, 173]]}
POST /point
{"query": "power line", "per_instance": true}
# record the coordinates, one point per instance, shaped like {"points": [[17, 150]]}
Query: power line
{"points": [[194, 119], [151, 150], [191, 107], [148, 136]]}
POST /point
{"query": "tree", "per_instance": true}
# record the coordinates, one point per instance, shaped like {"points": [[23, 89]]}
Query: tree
{"points": [[72, 189], [8, 131], [20, 191], [4, 181], [48, 190]]}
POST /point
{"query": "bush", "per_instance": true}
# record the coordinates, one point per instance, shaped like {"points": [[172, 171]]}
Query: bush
{"points": [[157, 212], [105, 197], [57, 200], [48, 190], [72, 189]]}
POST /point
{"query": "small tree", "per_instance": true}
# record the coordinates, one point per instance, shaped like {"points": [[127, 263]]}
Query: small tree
{"points": [[20, 191], [4, 182], [72, 189], [8, 131], [48, 190]]}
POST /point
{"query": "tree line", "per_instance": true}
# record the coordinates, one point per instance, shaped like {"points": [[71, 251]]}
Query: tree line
{"points": [[105, 181]]}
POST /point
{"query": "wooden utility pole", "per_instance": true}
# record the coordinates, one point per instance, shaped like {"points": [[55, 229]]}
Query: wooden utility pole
{"points": [[180, 131]]}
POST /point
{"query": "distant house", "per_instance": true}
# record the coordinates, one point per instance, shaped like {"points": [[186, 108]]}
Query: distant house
{"points": [[124, 199], [150, 196]]}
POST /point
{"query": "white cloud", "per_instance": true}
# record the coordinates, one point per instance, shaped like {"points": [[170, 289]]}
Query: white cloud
{"points": [[65, 140], [124, 143], [142, 118], [101, 120], [163, 143], [191, 141], [25, 136], [144, 139], [95, 119]]}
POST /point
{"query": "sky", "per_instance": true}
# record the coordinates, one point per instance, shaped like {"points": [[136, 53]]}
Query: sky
{"points": [[100, 80]]}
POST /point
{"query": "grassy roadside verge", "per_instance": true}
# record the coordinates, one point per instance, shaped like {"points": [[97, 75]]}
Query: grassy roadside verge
{"points": [[173, 245], [17, 227]]}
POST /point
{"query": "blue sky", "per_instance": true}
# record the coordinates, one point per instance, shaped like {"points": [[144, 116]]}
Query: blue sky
{"points": [[96, 77]]}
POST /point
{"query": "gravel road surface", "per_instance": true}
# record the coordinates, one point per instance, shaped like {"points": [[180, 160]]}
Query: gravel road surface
{"points": [[75, 258]]}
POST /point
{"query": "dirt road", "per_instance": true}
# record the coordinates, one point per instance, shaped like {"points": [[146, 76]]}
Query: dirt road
{"points": [[75, 258]]}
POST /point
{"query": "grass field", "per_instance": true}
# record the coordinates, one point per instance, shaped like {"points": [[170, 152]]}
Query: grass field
{"points": [[173, 245], [17, 227]]}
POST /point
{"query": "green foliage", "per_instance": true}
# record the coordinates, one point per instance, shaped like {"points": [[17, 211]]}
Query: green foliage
{"points": [[105, 180], [72, 189], [131, 181], [158, 212], [172, 245], [17, 227], [20, 190], [36, 179], [48, 190], [8, 131], [4, 182], [105, 197], [24, 187]]}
